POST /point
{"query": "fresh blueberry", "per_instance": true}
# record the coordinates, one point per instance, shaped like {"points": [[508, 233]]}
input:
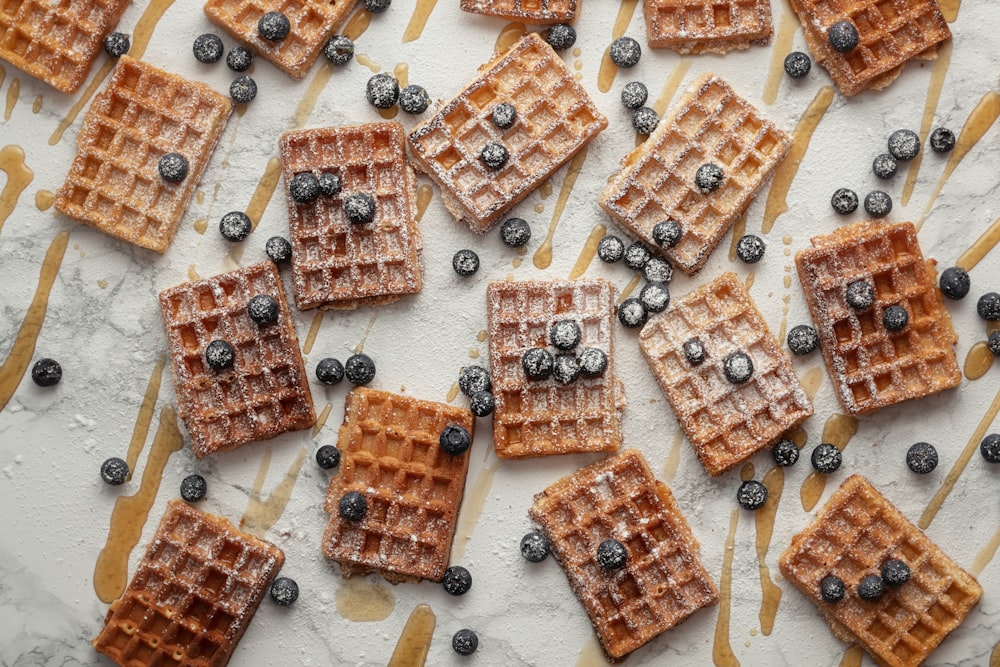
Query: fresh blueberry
{"points": [[904, 144], [844, 201], [278, 249], [359, 208], [565, 368], [117, 44], [339, 50], [114, 471], [494, 156], [871, 587], [709, 177], [482, 404], [636, 256], [988, 307], [465, 642], [922, 458], [359, 369], [993, 343], [504, 115], [802, 339], [658, 270], [329, 184], [219, 355], [561, 36], [235, 226], [263, 309], [655, 297], [694, 352], [273, 26], [328, 457], [455, 439], [457, 580], [46, 372], [330, 371], [738, 367], [751, 495], [208, 48], [860, 295], [826, 458], [173, 167], [895, 318], [414, 100], [955, 282], [193, 488], [750, 248], [625, 52], [284, 591], [884, 166], [634, 95], [645, 120], [465, 262], [565, 334], [515, 232], [474, 379], [895, 572], [537, 363], [878, 204], [785, 453], [631, 313], [610, 249], [797, 64], [353, 506], [535, 547], [832, 588], [843, 36], [990, 448], [377, 6], [243, 89], [611, 555], [942, 140], [304, 187], [382, 91], [593, 362], [239, 59], [667, 233]]}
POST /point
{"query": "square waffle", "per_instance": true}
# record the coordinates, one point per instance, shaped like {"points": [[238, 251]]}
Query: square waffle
{"points": [[853, 536], [57, 41], [337, 264], [528, 11], [870, 366], [265, 392], [542, 417], [710, 124], [312, 24], [193, 595], [114, 183], [662, 583], [555, 119], [890, 32], [390, 453], [696, 26], [727, 423]]}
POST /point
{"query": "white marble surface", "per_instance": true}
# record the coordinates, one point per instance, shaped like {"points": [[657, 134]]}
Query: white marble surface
{"points": [[103, 325]]}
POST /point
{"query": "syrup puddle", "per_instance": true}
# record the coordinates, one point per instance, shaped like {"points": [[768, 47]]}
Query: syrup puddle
{"points": [[18, 177], [472, 509], [981, 247], [415, 641], [421, 12], [145, 417], [588, 251], [264, 191], [543, 256], [774, 480], [722, 651], [310, 340], [424, 194], [608, 70], [363, 601], [592, 655], [978, 361], [938, 72], [509, 34], [852, 657], [811, 380], [838, 431], [357, 24], [43, 201], [261, 514]]}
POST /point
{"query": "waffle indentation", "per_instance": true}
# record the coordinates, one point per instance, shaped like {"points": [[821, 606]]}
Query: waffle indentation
{"points": [[696, 26], [530, 11]]}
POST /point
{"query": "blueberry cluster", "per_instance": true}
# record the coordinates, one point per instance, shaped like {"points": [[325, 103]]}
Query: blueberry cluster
{"points": [[658, 272], [383, 92], [634, 96], [359, 370], [894, 573], [475, 382], [208, 49], [564, 335]]}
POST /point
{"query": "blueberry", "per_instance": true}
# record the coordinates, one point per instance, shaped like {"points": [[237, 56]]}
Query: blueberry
{"points": [[631, 313], [173, 167], [593, 362], [304, 187], [329, 184], [465, 642], [610, 249], [504, 115], [494, 156], [990, 448], [751, 495], [634, 95], [667, 233], [844, 201], [561, 36], [328, 457], [942, 140], [219, 355], [565, 334], [235, 226], [802, 339], [797, 64], [46, 372], [278, 249], [860, 295], [359, 369], [263, 309], [117, 44], [273, 26], [353, 506], [826, 458], [895, 318], [871, 587], [843, 36], [377, 6], [709, 177], [114, 471], [339, 50], [515, 232], [955, 282], [922, 458], [625, 52], [284, 591], [611, 555], [382, 91], [465, 262], [993, 343], [878, 204], [193, 488], [457, 580], [239, 59], [645, 120], [330, 371], [565, 368], [785, 453], [208, 48], [884, 166], [535, 547], [243, 89], [359, 208], [895, 572], [654, 297], [750, 248], [738, 367], [537, 363], [455, 439], [832, 588], [694, 352], [904, 144], [636, 256], [658, 270], [413, 99], [482, 404], [988, 307], [474, 379]]}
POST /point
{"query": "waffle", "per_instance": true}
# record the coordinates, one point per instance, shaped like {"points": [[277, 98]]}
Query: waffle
{"points": [[854, 534], [193, 595], [727, 423], [542, 417], [337, 264], [555, 119], [528, 11], [390, 452], [696, 26], [114, 183], [265, 392], [890, 32], [57, 42], [710, 124], [663, 581], [870, 366], [312, 24]]}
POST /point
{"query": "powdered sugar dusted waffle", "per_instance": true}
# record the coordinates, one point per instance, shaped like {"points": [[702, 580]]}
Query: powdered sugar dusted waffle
{"points": [[391, 454], [544, 416], [727, 419], [555, 119], [193, 595], [857, 531], [662, 582], [529, 11], [336, 263], [144, 113], [265, 392], [711, 124], [695, 26], [870, 366]]}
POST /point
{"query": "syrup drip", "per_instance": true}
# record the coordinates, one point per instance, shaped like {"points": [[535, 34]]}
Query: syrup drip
{"points": [[978, 361], [264, 191], [543, 256], [629, 288], [359, 348], [364, 601], [785, 173], [3, 74], [357, 24], [452, 393], [588, 251], [838, 431], [606, 74], [402, 73], [739, 229], [671, 85], [509, 34], [201, 226], [472, 509], [774, 480], [307, 345], [782, 47], [261, 514], [748, 282], [424, 194], [18, 177], [145, 417], [44, 200], [321, 420], [949, 9], [995, 656], [722, 651], [421, 12], [592, 655], [481, 336], [13, 91], [316, 86], [193, 273], [852, 657], [746, 472], [985, 554], [370, 64], [981, 247], [415, 641], [673, 458], [938, 72], [811, 380]]}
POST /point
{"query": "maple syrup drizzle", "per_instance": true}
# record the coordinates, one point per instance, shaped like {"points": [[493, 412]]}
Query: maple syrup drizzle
{"points": [[36, 105], [193, 273], [360, 347], [19, 358], [782, 46], [145, 417], [746, 472], [418, 19], [317, 84], [307, 344], [543, 256], [44, 200], [357, 24], [415, 641], [370, 64], [481, 336], [264, 191], [509, 34], [838, 431], [361, 600], [789, 167], [739, 229], [985, 554], [748, 282], [608, 70], [588, 251], [201, 225], [402, 73], [959, 467], [261, 514], [131, 512], [629, 288], [673, 458], [978, 361], [18, 177], [472, 509], [671, 85], [938, 72], [981, 247], [722, 651], [424, 194], [811, 380], [852, 657], [763, 518], [949, 9], [13, 92], [452, 393], [321, 420]]}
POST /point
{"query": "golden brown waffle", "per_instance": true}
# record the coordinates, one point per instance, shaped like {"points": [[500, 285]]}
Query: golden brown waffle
{"points": [[265, 392], [193, 595], [890, 32], [727, 423], [391, 454], [542, 417], [529, 11], [337, 264], [855, 533], [696, 26], [555, 119], [57, 41], [312, 24], [114, 183], [870, 366], [662, 583], [711, 123]]}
